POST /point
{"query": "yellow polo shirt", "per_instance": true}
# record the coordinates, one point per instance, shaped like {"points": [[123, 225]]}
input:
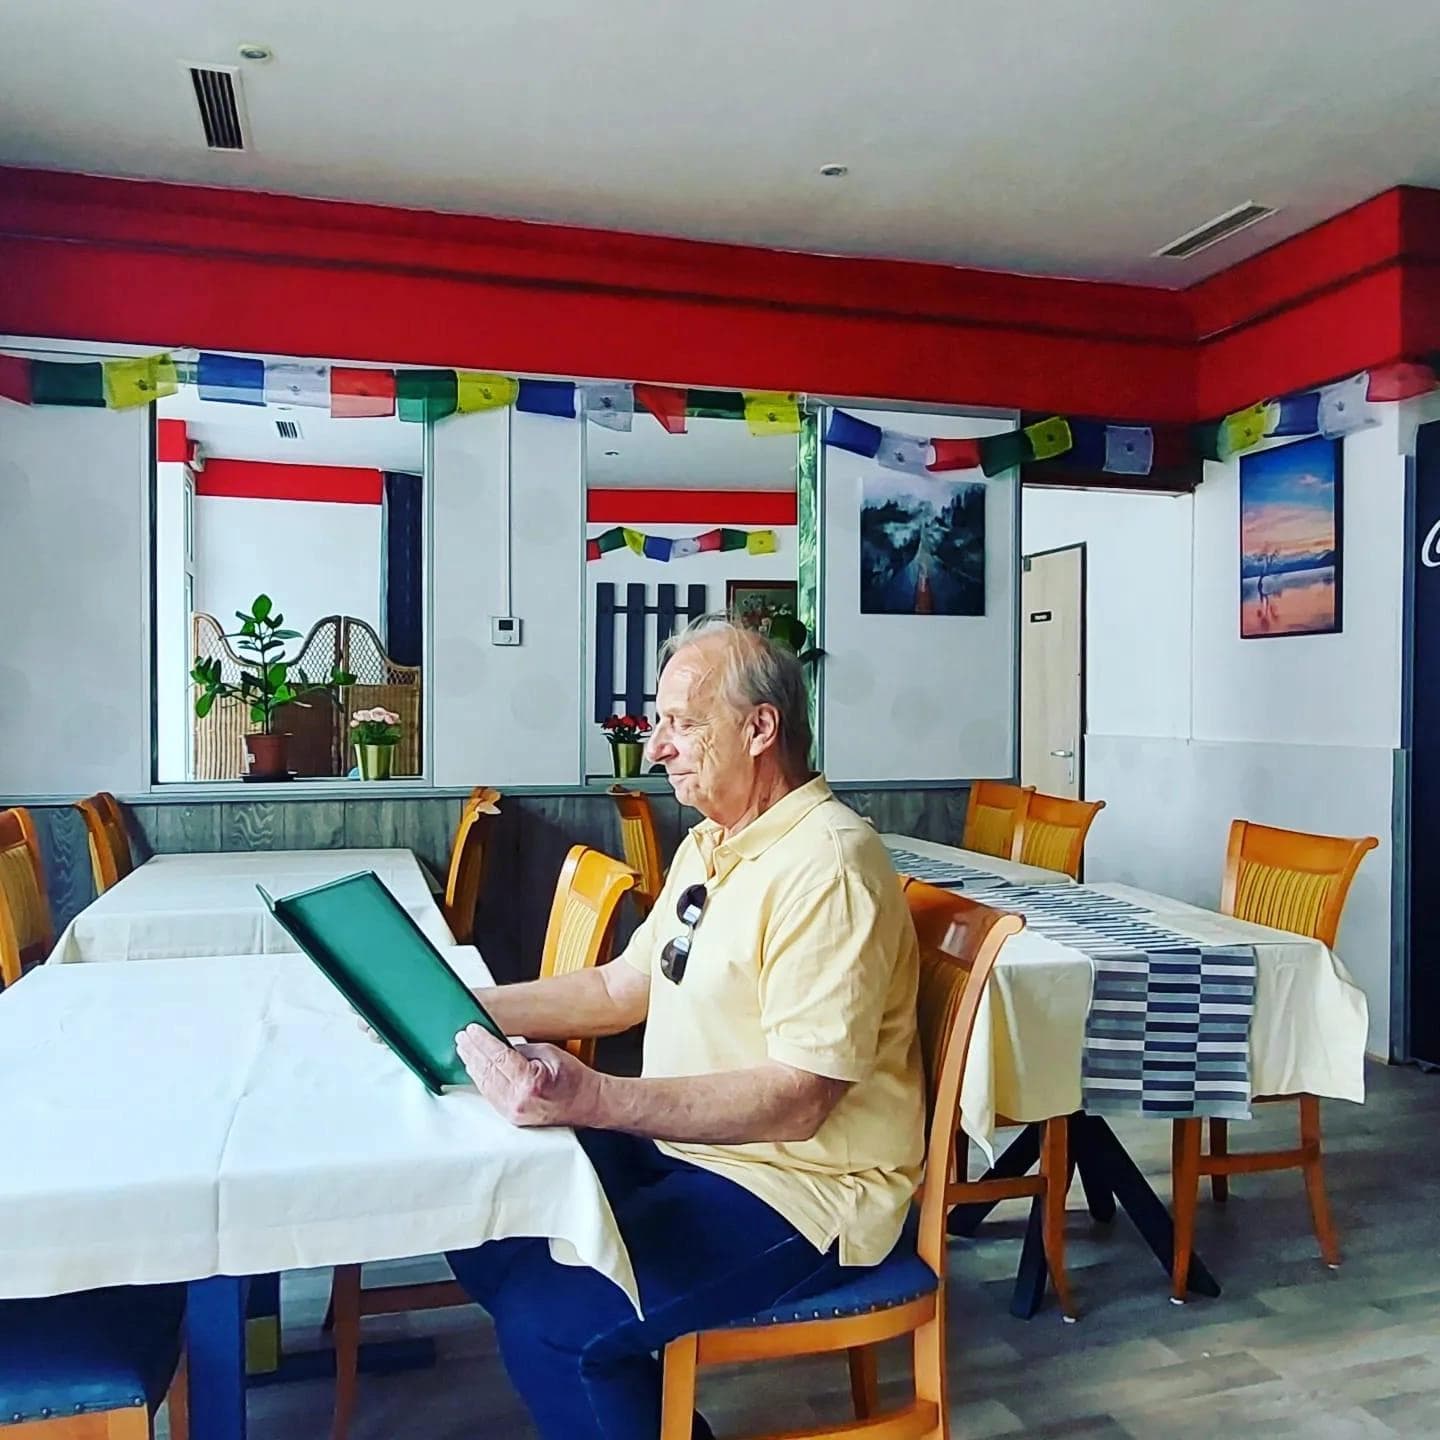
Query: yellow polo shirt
{"points": [[804, 954]]}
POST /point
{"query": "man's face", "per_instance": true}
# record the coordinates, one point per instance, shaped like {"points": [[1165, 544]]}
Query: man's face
{"points": [[703, 743]]}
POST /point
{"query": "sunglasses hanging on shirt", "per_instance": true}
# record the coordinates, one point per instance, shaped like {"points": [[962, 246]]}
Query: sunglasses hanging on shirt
{"points": [[689, 908]]}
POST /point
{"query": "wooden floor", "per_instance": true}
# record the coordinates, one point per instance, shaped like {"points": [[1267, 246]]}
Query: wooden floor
{"points": [[1290, 1350]]}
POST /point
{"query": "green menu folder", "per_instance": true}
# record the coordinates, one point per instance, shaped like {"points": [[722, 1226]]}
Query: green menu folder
{"points": [[380, 960]]}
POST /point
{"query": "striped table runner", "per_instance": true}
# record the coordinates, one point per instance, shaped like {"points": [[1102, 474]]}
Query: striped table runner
{"points": [[1168, 1033], [942, 872]]}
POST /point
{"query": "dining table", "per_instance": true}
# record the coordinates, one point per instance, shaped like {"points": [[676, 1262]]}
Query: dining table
{"points": [[205, 1120], [208, 904]]}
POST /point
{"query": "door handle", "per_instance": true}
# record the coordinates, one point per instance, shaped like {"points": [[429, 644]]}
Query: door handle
{"points": [[1063, 754]]}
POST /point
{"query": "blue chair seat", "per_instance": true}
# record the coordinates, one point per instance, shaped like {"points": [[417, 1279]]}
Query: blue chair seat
{"points": [[92, 1351], [902, 1276]]}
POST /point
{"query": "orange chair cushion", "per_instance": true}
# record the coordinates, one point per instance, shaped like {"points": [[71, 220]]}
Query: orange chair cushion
{"points": [[22, 897], [1048, 845], [1281, 898], [992, 831]]}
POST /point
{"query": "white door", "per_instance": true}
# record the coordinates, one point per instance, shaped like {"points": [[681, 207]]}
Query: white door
{"points": [[1052, 680]]}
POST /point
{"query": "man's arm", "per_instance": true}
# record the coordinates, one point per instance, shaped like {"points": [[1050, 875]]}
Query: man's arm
{"points": [[542, 1085], [601, 1001]]}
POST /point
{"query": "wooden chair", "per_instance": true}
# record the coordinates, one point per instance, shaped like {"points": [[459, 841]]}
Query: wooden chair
{"points": [[992, 814], [641, 844], [587, 894], [904, 1294], [27, 932], [110, 857], [93, 1365], [1294, 881], [931, 912], [1051, 833], [468, 850]]}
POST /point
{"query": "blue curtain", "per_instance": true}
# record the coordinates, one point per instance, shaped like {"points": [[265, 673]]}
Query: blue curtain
{"points": [[402, 571]]}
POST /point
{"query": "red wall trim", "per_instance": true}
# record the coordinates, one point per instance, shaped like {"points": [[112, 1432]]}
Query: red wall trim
{"points": [[691, 507], [150, 263], [259, 480], [172, 442]]}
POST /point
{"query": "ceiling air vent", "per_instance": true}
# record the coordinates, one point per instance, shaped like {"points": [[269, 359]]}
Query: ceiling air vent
{"points": [[1222, 227], [222, 111], [288, 430]]}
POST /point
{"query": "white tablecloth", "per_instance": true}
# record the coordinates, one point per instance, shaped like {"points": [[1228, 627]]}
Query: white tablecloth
{"points": [[1011, 871], [1308, 1032], [194, 905], [170, 1120]]}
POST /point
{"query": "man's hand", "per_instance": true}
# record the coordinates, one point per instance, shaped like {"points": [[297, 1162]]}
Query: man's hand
{"points": [[531, 1084]]}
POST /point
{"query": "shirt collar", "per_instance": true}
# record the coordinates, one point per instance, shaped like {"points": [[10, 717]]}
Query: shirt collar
{"points": [[721, 856]]}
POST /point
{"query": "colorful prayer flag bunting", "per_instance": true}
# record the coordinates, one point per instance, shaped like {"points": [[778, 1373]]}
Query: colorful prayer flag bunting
{"points": [[733, 539], [612, 539], [906, 453], [233, 379], [425, 395], [132, 383], [859, 437], [715, 404], [954, 455], [1129, 449], [1344, 407], [58, 382], [662, 548], [760, 542], [612, 406], [1048, 438], [1242, 429], [634, 539], [1209, 440], [361, 394], [15, 379], [547, 397], [1296, 414], [689, 545], [477, 390], [1089, 444], [710, 540], [769, 412], [665, 403], [1401, 381], [657, 547], [999, 453], [290, 384]]}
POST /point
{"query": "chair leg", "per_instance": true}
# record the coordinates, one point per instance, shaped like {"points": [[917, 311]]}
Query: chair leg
{"points": [[1055, 1168], [1219, 1145], [345, 1299], [1184, 1190], [677, 1405], [1315, 1180], [177, 1402], [864, 1382], [930, 1369]]}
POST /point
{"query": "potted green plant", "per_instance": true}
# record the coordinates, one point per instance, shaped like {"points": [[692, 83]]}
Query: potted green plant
{"points": [[265, 684], [375, 734], [626, 734]]}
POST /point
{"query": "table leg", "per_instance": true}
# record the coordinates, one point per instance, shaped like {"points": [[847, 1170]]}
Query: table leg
{"points": [[1031, 1277], [215, 1341], [1019, 1159], [1095, 1144]]}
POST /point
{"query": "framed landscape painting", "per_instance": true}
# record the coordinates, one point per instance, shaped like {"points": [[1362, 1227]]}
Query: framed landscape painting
{"points": [[1291, 545]]}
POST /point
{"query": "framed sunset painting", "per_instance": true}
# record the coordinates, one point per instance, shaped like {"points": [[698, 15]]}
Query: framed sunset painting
{"points": [[1290, 540]]}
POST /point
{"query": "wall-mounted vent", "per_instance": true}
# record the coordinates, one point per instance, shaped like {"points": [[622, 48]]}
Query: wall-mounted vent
{"points": [[288, 430], [221, 105], [1222, 227]]}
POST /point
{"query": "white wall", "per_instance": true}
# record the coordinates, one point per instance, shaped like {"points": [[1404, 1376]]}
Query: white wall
{"points": [[1189, 726], [507, 716], [313, 558], [74, 502], [711, 568], [917, 697]]}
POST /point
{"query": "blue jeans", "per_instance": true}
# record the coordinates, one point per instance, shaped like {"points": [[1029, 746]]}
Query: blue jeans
{"points": [[705, 1252]]}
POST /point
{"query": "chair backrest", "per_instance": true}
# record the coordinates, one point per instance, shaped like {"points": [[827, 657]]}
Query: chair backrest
{"points": [[959, 942], [641, 844], [1289, 879], [1052, 832], [26, 929], [466, 877], [110, 857], [582, 919], [992, 814]]}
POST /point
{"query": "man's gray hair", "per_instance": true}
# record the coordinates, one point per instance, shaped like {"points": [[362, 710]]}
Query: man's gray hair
{"points": [[756, 671]]}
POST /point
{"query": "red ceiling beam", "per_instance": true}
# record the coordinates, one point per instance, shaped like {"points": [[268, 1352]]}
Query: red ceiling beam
{"points": [[265, 480]]}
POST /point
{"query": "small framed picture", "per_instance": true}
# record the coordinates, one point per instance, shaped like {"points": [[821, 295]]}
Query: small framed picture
{"points": [[1291, 542], [755, 603]]}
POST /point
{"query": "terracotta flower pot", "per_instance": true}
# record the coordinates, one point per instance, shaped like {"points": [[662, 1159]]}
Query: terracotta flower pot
{"points": [[269, 756]]}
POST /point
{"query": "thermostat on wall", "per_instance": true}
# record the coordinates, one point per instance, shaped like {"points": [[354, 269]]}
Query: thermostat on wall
{"points": [[504, 630]]}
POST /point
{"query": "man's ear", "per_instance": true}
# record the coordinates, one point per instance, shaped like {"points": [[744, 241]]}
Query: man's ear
{"points": [[764, 729]]}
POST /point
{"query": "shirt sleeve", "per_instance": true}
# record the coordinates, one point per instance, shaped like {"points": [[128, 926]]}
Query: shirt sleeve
{"points": [[825, 979]]}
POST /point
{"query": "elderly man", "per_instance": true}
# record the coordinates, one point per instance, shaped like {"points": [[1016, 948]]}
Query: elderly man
{"points": [[775, 1135]]}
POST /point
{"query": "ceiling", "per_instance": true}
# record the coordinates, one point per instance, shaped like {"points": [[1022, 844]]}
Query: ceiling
{"points": [[245, 432], [1036, 136]]}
